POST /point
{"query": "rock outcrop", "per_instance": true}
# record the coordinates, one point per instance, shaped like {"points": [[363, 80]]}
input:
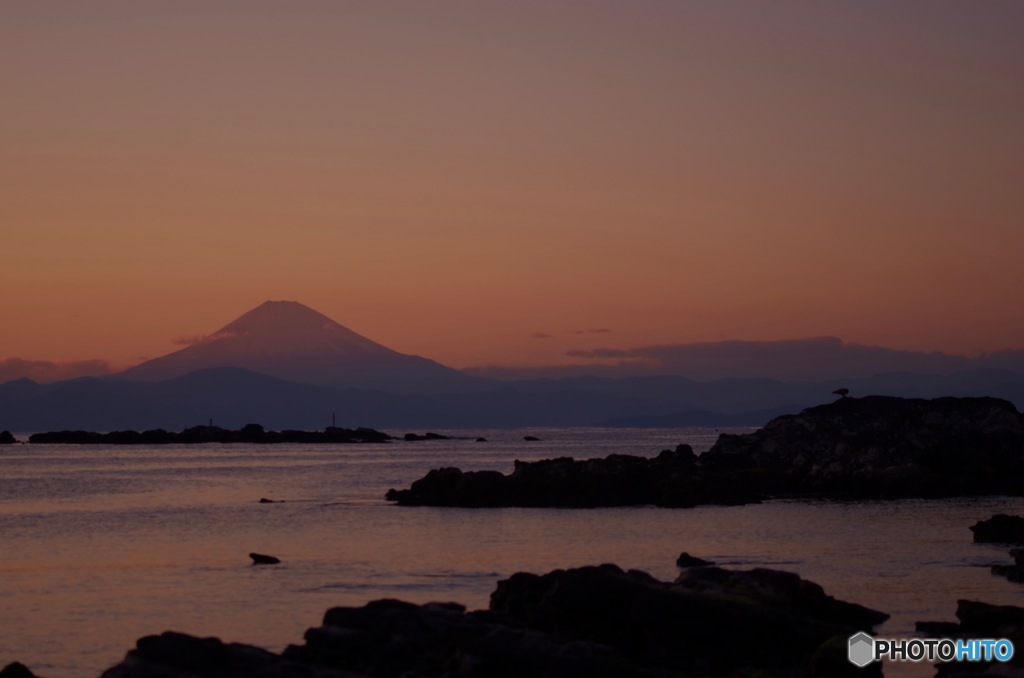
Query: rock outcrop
{"points": [[178, 655], [251, 433], [591, 621], [999, 528], [6, 438], [429, 435], [874, 447], [16, 670], [672, 479], [981, 620], [1007, 529], [888, 447], [686, 560]]}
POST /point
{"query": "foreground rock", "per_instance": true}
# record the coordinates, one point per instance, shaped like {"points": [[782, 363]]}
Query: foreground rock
{"points": [[6, 438], [673, 479], [874, 447], [592, 621], [686, 560], [252, 433], [16, 670], [1003, 528], [981, 620], [177, 655]]}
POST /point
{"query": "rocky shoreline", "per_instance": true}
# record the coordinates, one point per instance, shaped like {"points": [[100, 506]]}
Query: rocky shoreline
{"points": [[252, 434], [591, 621], [875, 447]]}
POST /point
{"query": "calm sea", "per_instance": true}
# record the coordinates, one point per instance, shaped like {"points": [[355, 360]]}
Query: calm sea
{"points": [[102, 545]]}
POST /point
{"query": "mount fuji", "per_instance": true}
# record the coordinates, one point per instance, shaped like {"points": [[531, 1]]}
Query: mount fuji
{"points": [[290, 341]]}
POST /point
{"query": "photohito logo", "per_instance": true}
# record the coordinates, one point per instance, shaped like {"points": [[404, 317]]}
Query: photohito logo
{"points": [[863, 649]]}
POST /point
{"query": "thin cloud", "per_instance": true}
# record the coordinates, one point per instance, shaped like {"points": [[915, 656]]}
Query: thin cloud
{"points": [[599, 353], [800, 359], [541, 335], [45, 371], [201, 338]]}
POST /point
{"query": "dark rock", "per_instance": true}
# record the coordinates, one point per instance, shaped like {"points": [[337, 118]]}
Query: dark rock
{"points": [[264, 500], [16, 670], [709, 622], [425, 436], [999, 528], [1007, 529], [177, 655], [592, 621], [6, 438], [670, 479], [530, 439], [886, 447], [1012, 573], [874, 447], [481, 440], [395, 638], [251, 433], [981, 620], [686, 560], [262, 559]]}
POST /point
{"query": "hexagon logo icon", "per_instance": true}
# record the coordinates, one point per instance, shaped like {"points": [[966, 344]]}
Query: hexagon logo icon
{"points": [[861, 650]]}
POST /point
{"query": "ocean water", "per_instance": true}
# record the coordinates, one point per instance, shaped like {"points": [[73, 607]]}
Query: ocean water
{"points": [[103, 545]]}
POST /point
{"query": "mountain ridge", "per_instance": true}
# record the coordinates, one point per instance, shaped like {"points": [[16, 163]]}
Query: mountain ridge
{"points": [[291, 341]]}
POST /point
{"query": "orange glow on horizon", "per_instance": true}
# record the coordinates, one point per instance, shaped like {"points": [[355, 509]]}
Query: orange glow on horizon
{"points": [[452, 182]]}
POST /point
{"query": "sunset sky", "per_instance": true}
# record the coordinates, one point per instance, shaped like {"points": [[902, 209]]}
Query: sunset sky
{"points": [[485, 182]]}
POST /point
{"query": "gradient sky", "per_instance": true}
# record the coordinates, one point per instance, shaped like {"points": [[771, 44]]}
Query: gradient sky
{"points": [[456, 179]]}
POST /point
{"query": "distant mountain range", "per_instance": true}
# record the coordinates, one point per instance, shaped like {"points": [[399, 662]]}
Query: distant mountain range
{"points": [[284, 365]]}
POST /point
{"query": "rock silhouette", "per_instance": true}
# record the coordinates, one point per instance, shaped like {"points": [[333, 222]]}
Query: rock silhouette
{"points": [[686, 560], [999, 528], [263, 559], [981, 620], [16, 670], [874, 447], [671, 479], [1005, 529], [591, 621], [6, 438]]}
